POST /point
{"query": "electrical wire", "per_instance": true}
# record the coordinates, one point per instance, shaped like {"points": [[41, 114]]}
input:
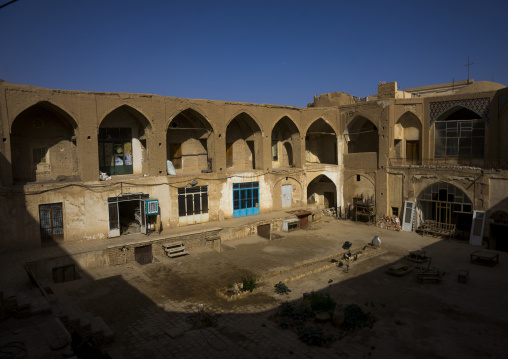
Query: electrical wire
{"points": [[107, 187]]}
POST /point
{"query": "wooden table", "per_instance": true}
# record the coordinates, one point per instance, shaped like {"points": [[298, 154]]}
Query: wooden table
{"points": [[486, 258]]}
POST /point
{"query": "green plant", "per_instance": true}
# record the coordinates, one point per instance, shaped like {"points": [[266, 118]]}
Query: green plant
{"points": [[281, 288], [320, 302], [300, 314], [249, 283], [313, 335], [286, 309], [284, 322], [355, 317]]}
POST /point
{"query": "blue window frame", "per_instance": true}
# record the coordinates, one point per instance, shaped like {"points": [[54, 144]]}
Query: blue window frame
{"points": [[245, 199]]}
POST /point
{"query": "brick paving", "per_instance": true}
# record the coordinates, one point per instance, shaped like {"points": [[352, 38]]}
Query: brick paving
{"points": [[152, 308]]}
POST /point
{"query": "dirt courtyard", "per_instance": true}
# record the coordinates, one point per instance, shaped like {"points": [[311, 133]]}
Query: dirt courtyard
{"points": [[152, 308]]}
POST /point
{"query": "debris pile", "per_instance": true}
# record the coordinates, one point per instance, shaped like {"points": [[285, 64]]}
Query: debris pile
{"points": [[391, 223]]}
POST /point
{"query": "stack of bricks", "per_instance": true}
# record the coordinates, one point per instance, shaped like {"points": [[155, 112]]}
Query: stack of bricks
{"points": [[391, 223]]}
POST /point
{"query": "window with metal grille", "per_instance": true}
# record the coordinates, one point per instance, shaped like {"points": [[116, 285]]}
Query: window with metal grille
{"points": [[192, 200], [115, 151], [152, 207], [460, 136], [51, 219]]}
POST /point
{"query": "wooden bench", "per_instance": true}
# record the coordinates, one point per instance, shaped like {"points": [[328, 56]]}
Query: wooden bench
{"points": [[438, 229], [175, 249]]}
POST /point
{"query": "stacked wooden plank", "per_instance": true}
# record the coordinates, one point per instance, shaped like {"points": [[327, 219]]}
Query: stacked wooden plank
{"points": [[392, 223]]}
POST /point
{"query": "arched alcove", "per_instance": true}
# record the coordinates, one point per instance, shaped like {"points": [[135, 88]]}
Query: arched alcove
{"points": [[445, 203], [407, 134], [122, 142], [285, 142], [321, 143], [243, 143], [189, 142], [459, 135], [322, 192], [43, 140], [362, 136]]}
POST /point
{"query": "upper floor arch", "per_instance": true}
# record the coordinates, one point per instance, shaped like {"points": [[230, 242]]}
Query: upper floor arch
{"points": [[43, 143], [407, 137], [243, 143], [285, 143], [122, 141], [459, 134], [48, 107], [361, 135], [321, 143], [189, 141]]}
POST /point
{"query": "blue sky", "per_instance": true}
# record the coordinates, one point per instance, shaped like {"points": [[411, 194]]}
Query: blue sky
{"points": [[277, 52]]}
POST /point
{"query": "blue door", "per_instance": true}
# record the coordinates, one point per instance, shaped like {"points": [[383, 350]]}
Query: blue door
{"points": [[245, 199]]}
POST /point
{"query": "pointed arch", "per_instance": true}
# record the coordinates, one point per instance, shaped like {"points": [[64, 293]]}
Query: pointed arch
{"points": [[285, 138], [43, 142], [189, 139], [445, 203], [243, 143], [361, 135], [322, 192], [122, 141], [407, 138], [503, 132], [321, 143], [459, 135]]}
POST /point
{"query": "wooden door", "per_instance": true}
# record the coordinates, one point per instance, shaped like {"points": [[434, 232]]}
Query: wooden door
{"points": [[286, 196], [143, 255], [412, 151]]}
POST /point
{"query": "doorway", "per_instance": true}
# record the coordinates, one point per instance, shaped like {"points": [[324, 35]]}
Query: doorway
{"points": [[286, 196], [329, 199], [130, 217], [412, 151], [499, 236]]}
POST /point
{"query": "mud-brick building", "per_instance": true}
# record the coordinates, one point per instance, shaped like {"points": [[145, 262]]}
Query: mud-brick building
{"points": [[86, 165]]}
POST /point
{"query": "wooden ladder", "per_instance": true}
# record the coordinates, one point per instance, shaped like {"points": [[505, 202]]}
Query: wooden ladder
{"points": [[175, 249]]}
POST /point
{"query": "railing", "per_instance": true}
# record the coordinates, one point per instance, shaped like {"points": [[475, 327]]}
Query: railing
{"points": [[450, 162]]}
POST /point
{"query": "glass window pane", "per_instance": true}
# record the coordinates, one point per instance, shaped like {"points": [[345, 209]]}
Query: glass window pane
{"points": [[451, 129], [255, 197], [197, 203], [477, 147], [243, 200], [204, 203], [236, 199], [452, 147], [188, 200], [181, 205]]}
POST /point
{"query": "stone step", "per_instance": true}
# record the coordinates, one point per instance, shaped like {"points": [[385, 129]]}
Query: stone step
{"points": [[177, 254]]}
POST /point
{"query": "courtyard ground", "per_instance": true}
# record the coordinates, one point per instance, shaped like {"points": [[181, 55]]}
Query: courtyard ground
{"points": [[153, 308]]}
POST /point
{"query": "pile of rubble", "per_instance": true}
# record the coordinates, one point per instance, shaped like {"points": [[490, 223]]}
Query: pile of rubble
{"points": [[391, 223]]}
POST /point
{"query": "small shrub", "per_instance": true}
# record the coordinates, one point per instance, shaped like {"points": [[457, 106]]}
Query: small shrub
{"points": [[355, 317], [281, 288], [284, 322], [312, 335], [300, 314], [286, 309], [249, 283], [320, 302]]}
